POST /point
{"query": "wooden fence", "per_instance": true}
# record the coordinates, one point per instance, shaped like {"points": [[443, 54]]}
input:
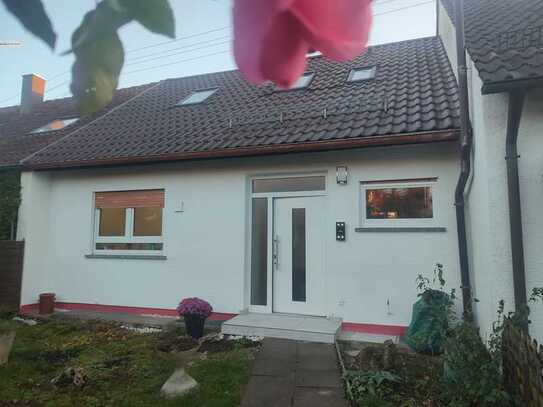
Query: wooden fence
{"points": [[11, 271], [522, 366]]}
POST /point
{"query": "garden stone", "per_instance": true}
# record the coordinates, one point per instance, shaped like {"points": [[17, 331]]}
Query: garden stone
{"points": [[179, 383], [29, 322], [6, 342], [69, 376], [352, 353]]}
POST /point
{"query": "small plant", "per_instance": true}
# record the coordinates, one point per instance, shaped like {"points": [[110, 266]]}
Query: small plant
{"points": [[194, 306], [371, 385], [194, 311]]}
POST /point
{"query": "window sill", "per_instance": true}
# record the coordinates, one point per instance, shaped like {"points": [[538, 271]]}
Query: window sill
{"points": [[400, 229], [127, 256]]}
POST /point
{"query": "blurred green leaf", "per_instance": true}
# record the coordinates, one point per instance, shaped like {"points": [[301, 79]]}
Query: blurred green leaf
{"points": [[96, 23], [99, 57], [95, 73], [155, 15], [33, 17], [99, 51]]}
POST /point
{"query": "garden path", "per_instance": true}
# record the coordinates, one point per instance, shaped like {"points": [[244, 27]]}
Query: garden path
{"points": [[290, 373]]}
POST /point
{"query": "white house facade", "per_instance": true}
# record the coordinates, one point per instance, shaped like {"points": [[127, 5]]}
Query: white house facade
{"points": [[228, 230]]}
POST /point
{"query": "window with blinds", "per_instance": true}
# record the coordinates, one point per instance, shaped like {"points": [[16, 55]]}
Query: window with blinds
{"points": [[128, 221]]}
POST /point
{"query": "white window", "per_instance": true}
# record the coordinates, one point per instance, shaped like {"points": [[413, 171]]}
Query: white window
{"points": [[302, 82], [56, 125], [398, 203], [198, 96], [129, 222], [361, 74]]}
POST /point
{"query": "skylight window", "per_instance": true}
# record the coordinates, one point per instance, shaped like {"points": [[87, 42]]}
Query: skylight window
{"points": [[302, 82], [197, 96], [56, 125], [361, 74]]}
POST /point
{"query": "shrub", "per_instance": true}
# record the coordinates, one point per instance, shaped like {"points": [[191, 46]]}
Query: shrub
{"points": [[10, 198], [472, 373], [194, 306], [370, 385]]}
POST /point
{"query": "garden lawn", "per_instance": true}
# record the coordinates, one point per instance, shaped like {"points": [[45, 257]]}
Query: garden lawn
{"points": [[122, 368]]}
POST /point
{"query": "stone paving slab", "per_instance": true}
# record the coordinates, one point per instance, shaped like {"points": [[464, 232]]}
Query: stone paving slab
{"points": [[278, 349], [290, 373], [274, 367], [269, 391], [318, 378], [304, 397]]}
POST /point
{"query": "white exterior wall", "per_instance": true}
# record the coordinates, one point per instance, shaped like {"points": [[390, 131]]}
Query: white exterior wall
{"points": [[33, 226], [530, 147], [487, 196], [207, 244]]}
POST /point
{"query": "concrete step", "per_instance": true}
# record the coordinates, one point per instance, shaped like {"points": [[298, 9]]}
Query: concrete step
{"points": [[285, 326]]}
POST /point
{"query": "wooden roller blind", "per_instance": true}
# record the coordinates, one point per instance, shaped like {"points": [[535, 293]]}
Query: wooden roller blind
{"points": [[130, 199]]}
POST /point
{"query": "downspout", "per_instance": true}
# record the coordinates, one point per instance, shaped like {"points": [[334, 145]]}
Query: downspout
{"points": [[465, 160], [516, 103]]}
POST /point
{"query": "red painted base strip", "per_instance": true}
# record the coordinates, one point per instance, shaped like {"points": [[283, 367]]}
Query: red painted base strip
{"points": [[164, 312], [216, 316], [394, 330]]}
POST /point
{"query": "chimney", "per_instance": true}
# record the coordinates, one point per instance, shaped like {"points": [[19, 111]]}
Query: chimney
{"points": [[32, 92]]}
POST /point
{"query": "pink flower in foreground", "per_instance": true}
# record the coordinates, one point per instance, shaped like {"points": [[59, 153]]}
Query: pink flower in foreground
{"points": [[272, 37]]}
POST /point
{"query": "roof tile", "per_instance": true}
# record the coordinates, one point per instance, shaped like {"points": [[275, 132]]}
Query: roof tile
{"points": [[504, 38], [414, 83]]}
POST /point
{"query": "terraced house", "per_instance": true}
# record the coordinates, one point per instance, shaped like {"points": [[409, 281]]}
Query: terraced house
{"points": [[325, 200]]}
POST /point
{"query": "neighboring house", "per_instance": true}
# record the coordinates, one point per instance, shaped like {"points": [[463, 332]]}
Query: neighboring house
{"points": [[34, 124], [254, 198], [504, 40]]}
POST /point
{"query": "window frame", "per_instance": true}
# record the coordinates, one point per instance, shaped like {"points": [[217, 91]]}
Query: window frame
{"points": [[371, 69], [405, 222], [127, 238], [183, 102]]}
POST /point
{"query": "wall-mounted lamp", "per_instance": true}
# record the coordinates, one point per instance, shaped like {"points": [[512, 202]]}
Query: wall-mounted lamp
{"points": [[341, 175]]}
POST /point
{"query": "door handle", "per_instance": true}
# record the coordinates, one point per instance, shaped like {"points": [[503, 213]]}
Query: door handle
{"points": [[275, 252]]}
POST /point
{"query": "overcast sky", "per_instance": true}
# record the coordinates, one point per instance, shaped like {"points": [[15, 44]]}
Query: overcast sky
{"points": [[203, 42]]}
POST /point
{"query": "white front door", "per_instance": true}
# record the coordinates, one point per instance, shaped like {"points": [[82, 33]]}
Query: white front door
{"points": [[298, 255]]}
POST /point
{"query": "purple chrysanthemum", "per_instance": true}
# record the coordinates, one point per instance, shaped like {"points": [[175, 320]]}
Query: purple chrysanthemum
{"points": [[194, 306]]}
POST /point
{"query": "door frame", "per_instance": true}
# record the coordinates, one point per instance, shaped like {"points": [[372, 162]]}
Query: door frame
{"points": [[271, 196]]}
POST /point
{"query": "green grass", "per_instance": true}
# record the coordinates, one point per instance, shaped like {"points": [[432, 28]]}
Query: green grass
{"points": [[123, 368]]}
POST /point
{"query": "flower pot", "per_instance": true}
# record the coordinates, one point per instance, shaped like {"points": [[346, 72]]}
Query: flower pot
{"points": [[195, 325], [6, 342], [46, 304]]}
